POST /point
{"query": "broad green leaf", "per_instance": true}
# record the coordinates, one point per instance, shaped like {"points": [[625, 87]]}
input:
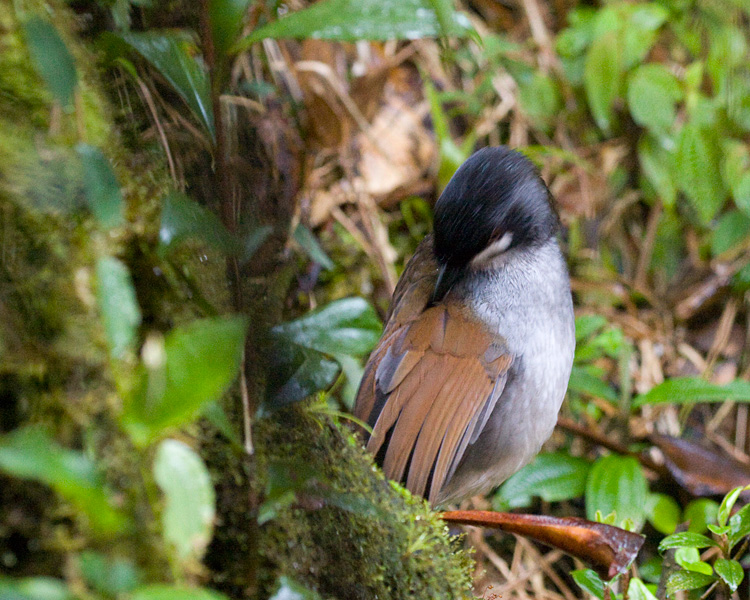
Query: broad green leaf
{"points": [[182, 217], [253, 241], [351, 20], [732, 229], [640, 27], [655, 161], [189, 499], [30, 453], [637, 590], [540, 98], [297, 373], [305, 238], [725, 508], [553, 477], [687, 580], [686, 390], [699, 513], [588, 325], [227, 17], [583, 382], [178, 62], [686, 539], [602, 78], [662, 512], [690, 559], [160, 591], [739, 525], [118, 304], [108, 576], [52, 59], [289, 589], [589, 581], [616, 484], [195, 365], [652, 94], [730, 571], [348, 326], [741, 194], [102, 190], [34, 588], [698, 160]]}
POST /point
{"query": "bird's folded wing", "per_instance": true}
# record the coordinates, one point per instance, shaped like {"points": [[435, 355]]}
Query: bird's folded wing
{"points": [[428, 391]]}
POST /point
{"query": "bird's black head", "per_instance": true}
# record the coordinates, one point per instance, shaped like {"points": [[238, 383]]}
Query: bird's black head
{"points": [[496, 201]]}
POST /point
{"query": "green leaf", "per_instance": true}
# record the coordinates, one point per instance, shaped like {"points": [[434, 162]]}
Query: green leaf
{"points": [[348, 326], [588, 325], [687, 390], [687, 580], [655, 161], [686, 539], [699, 513], [725, 508], [589, 581], [637, 590], [351, 20], [540, 98], [690, 559], [30, 453], [583, 382], [602, 78], [118, 304], [616, 484], [739, 525], [289, 589], [652, 94], [194, 366], [182, 217], [730, 572], [159, 591], [305, 238], [253, 241], [102, 190], [731, 230], [227, 17], [108, 576], [176, 59], [189, 499], [297, 373], [663, 512], [741, 194], [639, 29], [52, 59], [698, 160], [553, 477], [34, 588]]}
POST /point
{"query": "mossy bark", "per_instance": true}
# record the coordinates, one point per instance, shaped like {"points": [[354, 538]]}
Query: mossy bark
{"points": [[347, 532]]}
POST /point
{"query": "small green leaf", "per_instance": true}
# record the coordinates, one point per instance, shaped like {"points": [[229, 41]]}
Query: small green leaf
{"points": [[227, 17], [690, 559], [116, 297], [731, 230], [652, 94], [725, 508], [30, 453], [730, 571], [662, 512], [553, 477], [588, 325], [741, 194], [289, 589], [637, 590], [589, 581], [718, 530], [195, 365], [616, 483], [176, 59], [102, 190], [698, 159], [699, 513], [602, 78], [160, 591], [108, 576], [253, 241], [687, 390], [189, 499], [52, 59], [739, 525], [687, 580], [540, 98], [583, 382], [348, 326], [655, 161], [305, 238], [182, 217], [686, 539], [34, 588], [351, 20], [297, 373]]}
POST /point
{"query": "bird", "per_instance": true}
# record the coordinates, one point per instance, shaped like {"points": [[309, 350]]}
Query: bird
{"points": [[468, 377]]}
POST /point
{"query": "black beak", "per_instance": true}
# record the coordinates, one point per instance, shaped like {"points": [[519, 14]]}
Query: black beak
{"points": [[448, 275]]}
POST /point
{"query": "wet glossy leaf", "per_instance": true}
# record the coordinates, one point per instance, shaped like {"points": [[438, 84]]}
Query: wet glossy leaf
{"points": [[52, 59], [739, 525], [34, 588], [30, 453], [725, 508], [663, 512], [602, 78], [686, 390], [699, 513], [589, 582], [102, 190], [686, 539], [160, 591], [730, 571], [289, 589], [195, 365], [182, 217], [348, 326], [227, 17], [687, 580], [176, 59], [119, 307], [305, 238], [616, 483], [350, 20], [690, 559], [637, 590], [297, 373], [189, 498], [698, 161], [553, 477], [652, 94], [731, 230], [108, 576]]}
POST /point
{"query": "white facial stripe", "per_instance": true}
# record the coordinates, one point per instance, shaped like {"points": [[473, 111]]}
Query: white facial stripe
{"points": [[491, 251]]}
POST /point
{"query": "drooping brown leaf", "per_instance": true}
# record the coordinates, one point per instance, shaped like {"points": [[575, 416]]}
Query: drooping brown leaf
{"points": [[609, 550]]}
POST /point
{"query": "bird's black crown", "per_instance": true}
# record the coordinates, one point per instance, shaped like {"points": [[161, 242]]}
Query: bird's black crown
{"points": [[496, 191]]}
